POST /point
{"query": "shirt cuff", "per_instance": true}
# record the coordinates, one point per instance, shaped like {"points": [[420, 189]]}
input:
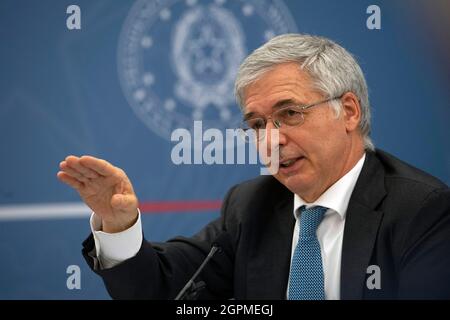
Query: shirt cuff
{"points": [[114, 248]]}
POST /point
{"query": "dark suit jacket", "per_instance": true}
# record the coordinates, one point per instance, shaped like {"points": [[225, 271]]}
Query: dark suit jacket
{"points": [[398, 218]]}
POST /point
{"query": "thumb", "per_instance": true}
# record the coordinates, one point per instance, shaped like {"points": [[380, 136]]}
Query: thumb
{"points": [[123, 202]]}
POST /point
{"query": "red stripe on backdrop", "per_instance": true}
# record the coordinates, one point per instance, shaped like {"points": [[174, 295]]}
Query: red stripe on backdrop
{"points": [[179, 206]]}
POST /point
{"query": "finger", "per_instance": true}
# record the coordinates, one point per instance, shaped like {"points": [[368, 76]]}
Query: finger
{"points": [[124, 187], [100, 166], [75, 164], [123, 202], [71, 181], [71, 157], [71, 172]]}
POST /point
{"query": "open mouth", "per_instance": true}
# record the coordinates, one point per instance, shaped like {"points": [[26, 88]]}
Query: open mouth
{"points": [[290, 162]]}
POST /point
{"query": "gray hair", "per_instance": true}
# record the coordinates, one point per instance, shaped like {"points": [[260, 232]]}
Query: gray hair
{"points": [[333, 70]]}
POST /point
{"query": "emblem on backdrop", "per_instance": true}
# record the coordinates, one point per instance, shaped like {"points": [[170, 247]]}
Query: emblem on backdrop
{"points": [[177, 60]]}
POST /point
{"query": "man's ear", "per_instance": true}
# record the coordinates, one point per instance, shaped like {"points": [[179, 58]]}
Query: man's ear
{"points": [[351, 111]]}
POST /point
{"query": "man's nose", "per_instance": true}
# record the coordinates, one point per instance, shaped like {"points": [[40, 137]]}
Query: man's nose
{"points": [[273, 132]]}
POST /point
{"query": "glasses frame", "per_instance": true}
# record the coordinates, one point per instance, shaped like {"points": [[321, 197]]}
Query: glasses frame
{"points": [[277, 124]]}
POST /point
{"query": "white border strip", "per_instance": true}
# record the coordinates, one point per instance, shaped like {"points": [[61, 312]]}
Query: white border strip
{"points": [[43, 211]]}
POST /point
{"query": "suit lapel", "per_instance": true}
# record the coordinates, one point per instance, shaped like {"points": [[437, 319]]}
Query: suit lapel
{"points": [[269, 262], [361, 227]]}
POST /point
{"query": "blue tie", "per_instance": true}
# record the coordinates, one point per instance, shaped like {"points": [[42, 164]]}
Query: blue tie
{"points": [[306, 277]]}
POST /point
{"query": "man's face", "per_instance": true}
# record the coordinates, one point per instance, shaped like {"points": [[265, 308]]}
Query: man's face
{"points": [[312, 155]]}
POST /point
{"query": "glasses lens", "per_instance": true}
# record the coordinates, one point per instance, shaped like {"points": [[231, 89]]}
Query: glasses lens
{"points": [[251, 129], [256, 123], [248, 135], [289, 116]]}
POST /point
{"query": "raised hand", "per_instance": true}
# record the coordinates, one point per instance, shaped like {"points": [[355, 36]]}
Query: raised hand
{"points": [[105, 188]]}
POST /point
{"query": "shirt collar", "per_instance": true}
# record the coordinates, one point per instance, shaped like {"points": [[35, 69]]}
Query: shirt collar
{"points": [[338, 195]]}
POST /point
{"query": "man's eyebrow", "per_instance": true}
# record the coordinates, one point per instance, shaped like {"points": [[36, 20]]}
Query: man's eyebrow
{"points": [[285, 103], [278, 105]]}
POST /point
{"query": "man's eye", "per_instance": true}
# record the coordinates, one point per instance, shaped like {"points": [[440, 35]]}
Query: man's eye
{"points": [[289, 113], [292, 113], [256, 124], [259, 125]]}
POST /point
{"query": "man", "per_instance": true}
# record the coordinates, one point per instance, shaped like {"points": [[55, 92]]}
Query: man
{"points": [[338, 220]]}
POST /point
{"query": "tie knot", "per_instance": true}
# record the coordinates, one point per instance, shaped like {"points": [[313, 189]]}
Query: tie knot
{"points": [[310, 220]]}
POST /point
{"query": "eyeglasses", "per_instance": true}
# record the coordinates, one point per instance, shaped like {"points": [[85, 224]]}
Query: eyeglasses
{"points": [[290, 116]]}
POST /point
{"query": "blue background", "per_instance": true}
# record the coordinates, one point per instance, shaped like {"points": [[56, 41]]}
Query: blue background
{"points": [[60, 94]]}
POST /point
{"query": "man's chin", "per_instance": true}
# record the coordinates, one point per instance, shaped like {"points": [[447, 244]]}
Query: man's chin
{"points": [[296, 184]]}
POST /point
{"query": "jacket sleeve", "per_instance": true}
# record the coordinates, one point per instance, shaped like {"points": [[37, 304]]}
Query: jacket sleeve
{"points": [[160, 270], [424, 271]]}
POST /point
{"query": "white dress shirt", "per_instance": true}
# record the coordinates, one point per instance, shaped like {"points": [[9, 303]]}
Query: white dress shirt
{"points": [[114, 248], [330, 232]]}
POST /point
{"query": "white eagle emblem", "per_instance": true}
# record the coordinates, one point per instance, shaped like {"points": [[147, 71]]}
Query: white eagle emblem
{"points": [[177, 60]]}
